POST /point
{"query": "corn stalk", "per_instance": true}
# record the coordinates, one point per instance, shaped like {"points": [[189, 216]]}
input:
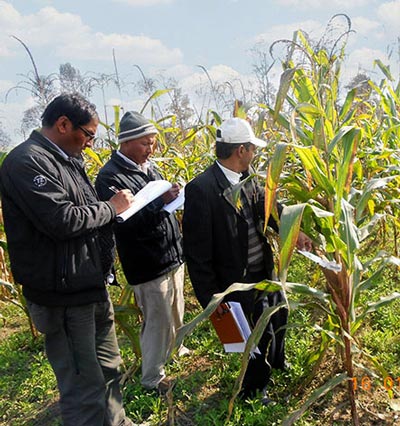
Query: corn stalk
{"points": [[338, 200]]}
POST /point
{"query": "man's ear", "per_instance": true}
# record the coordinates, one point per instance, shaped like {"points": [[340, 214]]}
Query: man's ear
{"points": [[240, 150], [63, 124]]}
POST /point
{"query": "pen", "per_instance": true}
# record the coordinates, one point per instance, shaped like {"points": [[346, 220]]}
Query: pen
{"points": [[113, 189]]}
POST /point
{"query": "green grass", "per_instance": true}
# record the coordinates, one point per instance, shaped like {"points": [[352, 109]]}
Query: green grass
{"points": [[205, 378]]}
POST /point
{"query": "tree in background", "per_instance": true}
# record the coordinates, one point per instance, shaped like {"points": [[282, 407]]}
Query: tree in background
{"points": [[5, 140]]}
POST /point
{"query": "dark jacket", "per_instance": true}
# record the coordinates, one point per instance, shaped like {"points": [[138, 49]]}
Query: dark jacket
{"points": [[215, 233], [52, 232], [149, 243]]}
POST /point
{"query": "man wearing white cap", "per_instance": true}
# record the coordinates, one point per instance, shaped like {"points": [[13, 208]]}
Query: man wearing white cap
{"points": [[149, 246], [224, 243]]}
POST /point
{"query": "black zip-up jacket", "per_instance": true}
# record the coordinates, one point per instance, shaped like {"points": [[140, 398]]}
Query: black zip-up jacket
{"points": [[149, 243], [52, 229]]}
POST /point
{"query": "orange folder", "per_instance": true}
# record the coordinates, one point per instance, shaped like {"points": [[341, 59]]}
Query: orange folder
{"points": [[226, 326]]}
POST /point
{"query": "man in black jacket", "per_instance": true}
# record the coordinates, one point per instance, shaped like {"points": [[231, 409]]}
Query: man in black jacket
{"points": [[224, 243], [149, 246], [61, 251]]}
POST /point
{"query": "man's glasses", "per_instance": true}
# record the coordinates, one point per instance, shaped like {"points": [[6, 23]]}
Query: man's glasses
{"points": [[89, 135]]}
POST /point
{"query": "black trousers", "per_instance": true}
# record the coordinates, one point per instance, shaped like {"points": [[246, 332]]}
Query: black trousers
{"points": [[272, 342]]}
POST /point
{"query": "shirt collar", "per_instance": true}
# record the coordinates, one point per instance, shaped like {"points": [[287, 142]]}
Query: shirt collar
{"points": [[142, 167], [233, 177], [63, 153]]}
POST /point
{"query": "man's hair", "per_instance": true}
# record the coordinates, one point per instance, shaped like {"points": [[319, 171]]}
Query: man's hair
{"points": [[224, 150], [72, 105]]}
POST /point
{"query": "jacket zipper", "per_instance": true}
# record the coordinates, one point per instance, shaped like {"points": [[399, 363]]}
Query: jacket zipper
{"points": [[64, 283]]}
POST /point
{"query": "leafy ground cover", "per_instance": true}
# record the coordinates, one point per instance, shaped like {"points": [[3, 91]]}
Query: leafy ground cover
{"points": [[205, 378]]}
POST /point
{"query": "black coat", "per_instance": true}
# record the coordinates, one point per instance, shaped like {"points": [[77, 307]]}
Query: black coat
{"points": [[216, 233], [52, 228], [149, 243]]}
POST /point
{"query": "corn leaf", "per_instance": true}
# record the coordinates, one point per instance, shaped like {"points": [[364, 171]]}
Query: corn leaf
{"points": [[209, 309], [289, 229], [94, 156], [286, 79], [318, 393], [271, 182], [384, 68], [155, 95], [312, 162], [374, 306]]}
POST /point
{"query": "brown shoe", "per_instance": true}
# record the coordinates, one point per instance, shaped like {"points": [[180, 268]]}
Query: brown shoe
{"points": [[165, 385]]}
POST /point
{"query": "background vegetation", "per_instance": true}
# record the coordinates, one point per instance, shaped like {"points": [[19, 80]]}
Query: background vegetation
{"points": [[333, 157]]}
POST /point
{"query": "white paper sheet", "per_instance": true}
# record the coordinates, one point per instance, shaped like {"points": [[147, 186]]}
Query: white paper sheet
{"points": [[145, 196], [244, 327], [333, 266], [177, 203]]}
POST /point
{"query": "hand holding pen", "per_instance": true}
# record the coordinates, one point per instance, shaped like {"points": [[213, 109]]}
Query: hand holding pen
{"points": [[122, 199]]}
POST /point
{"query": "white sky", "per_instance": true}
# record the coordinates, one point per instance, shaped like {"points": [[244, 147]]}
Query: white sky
{"points": [[173, 37]]}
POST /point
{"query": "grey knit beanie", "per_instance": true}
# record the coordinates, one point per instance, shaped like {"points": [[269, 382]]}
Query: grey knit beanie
{"points": [[134, 125]]}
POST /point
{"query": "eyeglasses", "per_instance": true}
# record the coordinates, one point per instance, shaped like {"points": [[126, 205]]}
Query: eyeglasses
{"points": [[89, 135]]}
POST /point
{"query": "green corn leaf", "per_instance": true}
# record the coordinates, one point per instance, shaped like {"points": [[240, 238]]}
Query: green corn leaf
{"points": [[330, 334], [384, 259], [365, 231], [384, 68], [210, 308], [339, 136], [271, 182], [94, 156], [318, 393], [319, 134], [155, 95], [127, 310], [180, 163], [268, 285], [348, 233], [306, 290], [217, 118], [375, 306], [289, 229], [370, 187], [313, 163], [304, 89], [345, 170], [117, 111], [286, 79]]}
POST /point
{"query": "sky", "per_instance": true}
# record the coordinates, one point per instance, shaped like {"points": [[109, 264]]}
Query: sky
{"points": [[172, 38]]}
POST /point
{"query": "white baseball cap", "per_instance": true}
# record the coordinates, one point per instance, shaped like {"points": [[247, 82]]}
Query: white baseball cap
{"points": [[237, 130]]}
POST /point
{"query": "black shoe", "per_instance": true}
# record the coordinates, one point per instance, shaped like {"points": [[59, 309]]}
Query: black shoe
{"points": [[251, 393], [165, 385], [265, 399], [247, 393]]}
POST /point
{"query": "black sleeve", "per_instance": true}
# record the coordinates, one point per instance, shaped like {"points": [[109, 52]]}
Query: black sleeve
{"points": [[40, 194], [198, 242]]}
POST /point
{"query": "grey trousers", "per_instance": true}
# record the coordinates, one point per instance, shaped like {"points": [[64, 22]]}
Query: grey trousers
{"points": [[162, 304], [82, 348]]}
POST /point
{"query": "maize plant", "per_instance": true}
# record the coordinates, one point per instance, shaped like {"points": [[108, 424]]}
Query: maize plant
{"points": [[334, 185]]}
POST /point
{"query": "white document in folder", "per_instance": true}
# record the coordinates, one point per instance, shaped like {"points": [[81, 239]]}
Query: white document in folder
{"points": [[145, 196], [244, 327], [177, 203]]}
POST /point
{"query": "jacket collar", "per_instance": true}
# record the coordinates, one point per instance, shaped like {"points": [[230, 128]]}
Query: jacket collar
{"points": [[228, 192], [51, 146], [123, 163]]}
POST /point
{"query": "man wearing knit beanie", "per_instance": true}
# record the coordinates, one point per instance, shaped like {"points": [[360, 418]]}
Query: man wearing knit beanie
{"points": [[149, 246]]}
